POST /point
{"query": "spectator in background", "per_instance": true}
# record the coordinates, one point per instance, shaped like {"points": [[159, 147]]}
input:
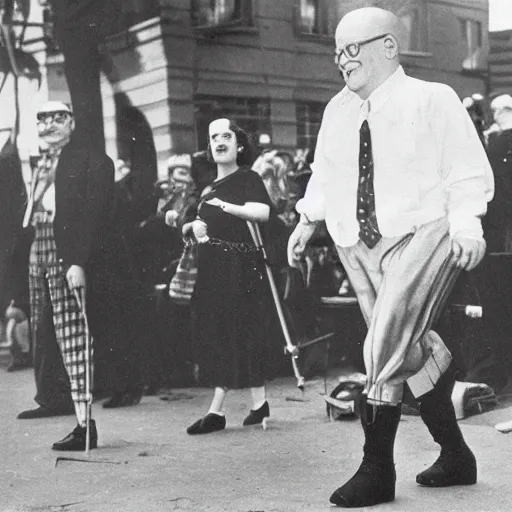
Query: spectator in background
{"points": [[498, 221]]}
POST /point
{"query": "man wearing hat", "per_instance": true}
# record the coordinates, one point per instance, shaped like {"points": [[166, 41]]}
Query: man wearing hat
{"points": [[69, 205]]}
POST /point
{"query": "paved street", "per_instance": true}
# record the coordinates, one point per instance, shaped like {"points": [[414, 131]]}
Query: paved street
{"points": [[148, 462]]}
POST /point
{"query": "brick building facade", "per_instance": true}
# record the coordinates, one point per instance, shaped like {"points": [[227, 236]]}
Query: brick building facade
{"points": [[180, 63]]}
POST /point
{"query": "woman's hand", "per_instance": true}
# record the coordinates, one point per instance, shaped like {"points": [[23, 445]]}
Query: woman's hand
{"points": [[215, 201], [186, 229], [200, 230]]}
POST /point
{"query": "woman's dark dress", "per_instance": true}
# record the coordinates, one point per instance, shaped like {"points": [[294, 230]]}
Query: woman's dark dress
{"points": [[231, 298]]}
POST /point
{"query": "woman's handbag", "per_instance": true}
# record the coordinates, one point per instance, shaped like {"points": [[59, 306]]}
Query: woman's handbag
{"points": [[183, 282]]}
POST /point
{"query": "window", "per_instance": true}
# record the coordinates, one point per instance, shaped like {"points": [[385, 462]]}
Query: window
{"points": [[414, 17], [472, 37], [411, 21], [318, 17], [221, 13], [309, 116], [252, 115]]}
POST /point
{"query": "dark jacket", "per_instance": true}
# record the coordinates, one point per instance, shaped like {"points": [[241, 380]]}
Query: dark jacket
{"points": [[84, 204]]}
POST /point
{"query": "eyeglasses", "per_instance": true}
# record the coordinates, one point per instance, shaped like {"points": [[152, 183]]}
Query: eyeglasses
{"points": [[351, 50], [59, 117]]}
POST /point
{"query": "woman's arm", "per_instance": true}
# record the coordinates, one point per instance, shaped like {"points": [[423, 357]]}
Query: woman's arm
{"points": [[254, 212]]}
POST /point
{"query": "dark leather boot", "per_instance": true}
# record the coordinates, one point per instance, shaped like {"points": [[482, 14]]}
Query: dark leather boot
{"points": [[75, 442], [456, 464], [374, 481]]}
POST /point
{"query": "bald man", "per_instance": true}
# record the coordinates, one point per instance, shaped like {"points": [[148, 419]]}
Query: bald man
{"points": [[402, 181], [71, 199]]}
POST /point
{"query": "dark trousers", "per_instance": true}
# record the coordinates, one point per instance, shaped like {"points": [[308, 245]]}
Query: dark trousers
{"points": [[52, 383]]}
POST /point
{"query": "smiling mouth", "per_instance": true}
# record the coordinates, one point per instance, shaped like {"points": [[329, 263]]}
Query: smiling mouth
{"points": [[221, 149]]}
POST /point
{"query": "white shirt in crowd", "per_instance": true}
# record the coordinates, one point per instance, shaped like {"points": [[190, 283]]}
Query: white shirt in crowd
{"points": [[428, 161]]}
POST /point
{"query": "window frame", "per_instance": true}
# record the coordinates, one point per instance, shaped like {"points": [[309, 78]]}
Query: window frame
{"points": [[308, 108], [319, 21], [468, 53], [245, 21], [420, 8]]}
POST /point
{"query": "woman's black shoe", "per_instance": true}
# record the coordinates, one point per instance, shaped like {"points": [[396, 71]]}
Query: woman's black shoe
{"points": [[210, 423], [75, 442], [255, 417]]}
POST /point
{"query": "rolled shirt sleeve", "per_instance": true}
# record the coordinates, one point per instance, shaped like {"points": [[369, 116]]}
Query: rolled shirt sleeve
{"points": [[463, 164]]}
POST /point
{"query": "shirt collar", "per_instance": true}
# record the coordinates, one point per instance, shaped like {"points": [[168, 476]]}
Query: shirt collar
{"points": [[389, 87]]}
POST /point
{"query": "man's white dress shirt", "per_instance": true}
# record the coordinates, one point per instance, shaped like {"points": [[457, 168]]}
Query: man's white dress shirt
{"points": [[428, 161]]}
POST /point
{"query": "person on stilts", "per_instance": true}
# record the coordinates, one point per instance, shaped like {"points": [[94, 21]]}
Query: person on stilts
{"points": [[402, 181]]}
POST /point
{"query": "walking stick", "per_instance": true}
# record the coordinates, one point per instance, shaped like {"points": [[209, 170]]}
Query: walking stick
{"points": [[290, 347]]}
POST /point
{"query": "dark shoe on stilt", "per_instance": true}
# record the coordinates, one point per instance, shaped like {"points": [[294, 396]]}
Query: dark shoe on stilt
{"points": [[258, 416], [210, 423], [456, 465], [75, 442], [374, 481]]}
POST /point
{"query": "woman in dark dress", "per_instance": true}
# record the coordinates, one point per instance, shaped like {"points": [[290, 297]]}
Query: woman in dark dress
{"points": [[230, 295]]}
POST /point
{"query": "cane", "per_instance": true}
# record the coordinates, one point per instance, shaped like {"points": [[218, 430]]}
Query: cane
{"points": [[80, 298], [290, 347]]}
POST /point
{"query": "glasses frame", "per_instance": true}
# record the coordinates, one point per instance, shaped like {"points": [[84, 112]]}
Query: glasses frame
{"points": [[58, 116], [352, 54]]}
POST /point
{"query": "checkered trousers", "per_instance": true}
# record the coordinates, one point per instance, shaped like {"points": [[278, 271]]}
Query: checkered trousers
{"points": [[47, 280]]}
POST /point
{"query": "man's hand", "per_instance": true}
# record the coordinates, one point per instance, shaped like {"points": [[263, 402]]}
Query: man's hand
{"points": [[468, 252], [75, 277], [298, 241]]}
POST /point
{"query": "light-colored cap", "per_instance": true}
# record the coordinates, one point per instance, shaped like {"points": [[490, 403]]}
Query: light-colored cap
{"points": [[504, 101], [54, 106]]}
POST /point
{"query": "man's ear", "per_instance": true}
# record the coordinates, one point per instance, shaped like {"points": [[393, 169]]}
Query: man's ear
{"points": [[391, 47]]}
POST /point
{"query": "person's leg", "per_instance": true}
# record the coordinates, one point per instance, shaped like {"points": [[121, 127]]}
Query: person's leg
{"points": [[52, 382], [70, 330], [260, 411], [456, 465], [215, 418], [374, 481], [414, 274]]}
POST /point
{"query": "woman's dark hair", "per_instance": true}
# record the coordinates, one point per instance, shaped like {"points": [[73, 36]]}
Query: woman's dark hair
{"points": [[246, 156]]}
